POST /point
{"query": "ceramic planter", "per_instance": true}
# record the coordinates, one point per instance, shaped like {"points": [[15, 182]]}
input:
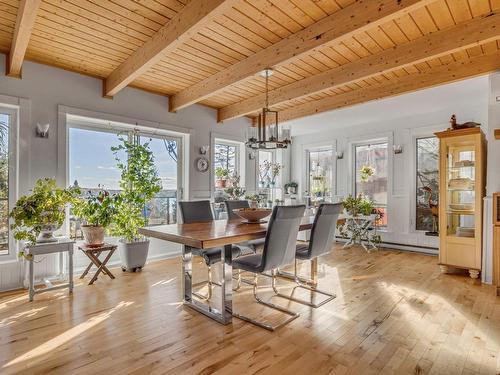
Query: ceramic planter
{"points": [[133, 255], [220, 184], [47, 233], [93, 235]]}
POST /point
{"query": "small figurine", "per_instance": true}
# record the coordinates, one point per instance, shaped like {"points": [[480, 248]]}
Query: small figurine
{"points": [[465, 125]]}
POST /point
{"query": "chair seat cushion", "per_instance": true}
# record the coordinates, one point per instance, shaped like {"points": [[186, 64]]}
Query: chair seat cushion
{"points": [[212, 256], [251, 263], [302, 250]]}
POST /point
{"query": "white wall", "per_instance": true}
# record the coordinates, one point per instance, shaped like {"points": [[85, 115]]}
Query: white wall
{"points": [[47, 88], [400, 119]]}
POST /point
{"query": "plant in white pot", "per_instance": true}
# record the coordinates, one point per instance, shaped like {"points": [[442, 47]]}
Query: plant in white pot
{"points": [[38, 215], [139, 184], [97, 211]]}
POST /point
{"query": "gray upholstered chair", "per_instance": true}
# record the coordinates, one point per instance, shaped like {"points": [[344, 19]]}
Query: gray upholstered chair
{"points": [[322, 237], [199, 212], [253, 245], [279, 250]]}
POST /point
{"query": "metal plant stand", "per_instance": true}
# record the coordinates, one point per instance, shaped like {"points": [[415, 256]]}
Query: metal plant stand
{"points": [[358, 230]]}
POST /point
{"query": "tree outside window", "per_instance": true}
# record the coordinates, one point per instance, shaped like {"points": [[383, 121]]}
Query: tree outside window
{"points": [[4, 184], [427, 186]]}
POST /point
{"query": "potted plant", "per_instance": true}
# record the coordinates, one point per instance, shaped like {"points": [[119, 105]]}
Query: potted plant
{"points": [[253, 200], [38, 215], [263, 173], [358, 205], [97, 211], [221, 175], [365, 172], [291, 187], [275, 171], [234, 191], [139, 184]]}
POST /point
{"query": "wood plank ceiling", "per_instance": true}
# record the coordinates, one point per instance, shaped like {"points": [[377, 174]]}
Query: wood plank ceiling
{"points": [[333, 53]]}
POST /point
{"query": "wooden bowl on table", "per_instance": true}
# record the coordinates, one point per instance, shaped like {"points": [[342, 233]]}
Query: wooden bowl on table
{"points": [[252, 215]]}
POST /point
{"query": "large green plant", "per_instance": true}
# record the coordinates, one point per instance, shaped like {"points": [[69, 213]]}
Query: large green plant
{"points": [[139, 184], [358, 205], [96, 209], [44, 206]]}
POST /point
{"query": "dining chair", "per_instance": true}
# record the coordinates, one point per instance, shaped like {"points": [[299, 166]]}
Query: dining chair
{"points": [[199, 212], [320, 243], [279, 250], [253, 245]]}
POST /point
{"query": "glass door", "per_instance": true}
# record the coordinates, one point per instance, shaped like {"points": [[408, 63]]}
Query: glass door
{"points": [[460, 185]]}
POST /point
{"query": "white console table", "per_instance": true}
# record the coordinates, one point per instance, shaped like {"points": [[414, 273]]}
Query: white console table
{"points": [[62, 245]]}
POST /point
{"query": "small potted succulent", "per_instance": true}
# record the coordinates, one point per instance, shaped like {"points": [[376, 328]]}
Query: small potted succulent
{"points": [[253, 200], [291, 187], [38, 215], [139, 184], [221, 177], [97, 211]]}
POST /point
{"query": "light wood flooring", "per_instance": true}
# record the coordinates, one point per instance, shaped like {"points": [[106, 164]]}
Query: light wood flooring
{"points": [[395, 314]]}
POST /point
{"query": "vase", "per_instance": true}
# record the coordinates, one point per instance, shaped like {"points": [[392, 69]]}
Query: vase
{"points": [[93, 235], [220, 184], [47, 233]]}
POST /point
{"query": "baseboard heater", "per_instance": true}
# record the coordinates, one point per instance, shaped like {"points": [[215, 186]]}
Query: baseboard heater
{"points": [[404, 247]]}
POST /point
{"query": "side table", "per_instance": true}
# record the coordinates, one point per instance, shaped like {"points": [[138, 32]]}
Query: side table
{"points": [[93, 254], [62, 245]]}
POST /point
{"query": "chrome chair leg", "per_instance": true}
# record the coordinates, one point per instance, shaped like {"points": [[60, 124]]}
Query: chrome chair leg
{"points": [[261, 324], [300, 284]]}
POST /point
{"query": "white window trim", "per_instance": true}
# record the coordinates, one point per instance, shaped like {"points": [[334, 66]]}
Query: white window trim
{"points": [[333, 182], [222, 138], [423, 132], [384, 137], [13, 112]]}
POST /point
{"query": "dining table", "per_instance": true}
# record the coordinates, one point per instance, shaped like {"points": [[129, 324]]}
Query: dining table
{"points": [[206, 235]]}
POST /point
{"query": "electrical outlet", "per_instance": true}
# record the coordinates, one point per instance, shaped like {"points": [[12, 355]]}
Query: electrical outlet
{"points": [[498, 98]]}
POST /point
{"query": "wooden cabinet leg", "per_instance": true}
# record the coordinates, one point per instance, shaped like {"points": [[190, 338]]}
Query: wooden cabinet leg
{"points": [[443, 268], [498, 290], [474, 274]]}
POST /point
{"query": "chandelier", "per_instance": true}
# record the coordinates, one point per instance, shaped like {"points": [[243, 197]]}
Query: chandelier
{"points": [[267, 134]]}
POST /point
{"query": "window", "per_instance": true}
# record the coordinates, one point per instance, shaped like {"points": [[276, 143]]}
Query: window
{"points": [[320, 167], [5, 122], [374, 186], [427, 184], [226, 156], [90, 169]]}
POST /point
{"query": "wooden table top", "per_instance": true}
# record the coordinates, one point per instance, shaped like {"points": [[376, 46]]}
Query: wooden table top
{"points": [[213, 233]]}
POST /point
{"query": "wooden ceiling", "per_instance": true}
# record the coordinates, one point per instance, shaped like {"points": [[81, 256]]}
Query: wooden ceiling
{"points": [[326, 54]]}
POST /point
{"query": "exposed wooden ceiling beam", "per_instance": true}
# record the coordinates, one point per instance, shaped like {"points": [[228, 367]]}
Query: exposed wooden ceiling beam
{"points": [[25, 21], [361, 15], [192, 18], [455, 71], [477, 31]]}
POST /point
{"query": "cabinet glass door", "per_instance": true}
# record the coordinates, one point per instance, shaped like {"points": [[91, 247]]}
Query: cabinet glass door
{"points": [[460, 183]]}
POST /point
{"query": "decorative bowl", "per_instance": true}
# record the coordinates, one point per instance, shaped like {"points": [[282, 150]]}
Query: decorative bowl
{"points": [[252, 215]]}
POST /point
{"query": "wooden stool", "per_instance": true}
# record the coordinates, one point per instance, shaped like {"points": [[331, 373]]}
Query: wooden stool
{"points": [[93, 253]]}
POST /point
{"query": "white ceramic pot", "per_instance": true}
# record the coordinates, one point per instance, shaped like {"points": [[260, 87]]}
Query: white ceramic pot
{"points": [[133, 255], [93, 235], [47, 233]]}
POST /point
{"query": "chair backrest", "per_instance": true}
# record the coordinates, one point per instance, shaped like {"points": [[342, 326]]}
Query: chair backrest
{"points": [[281, 236], [323, 229], [196, 211], [233, 205]]}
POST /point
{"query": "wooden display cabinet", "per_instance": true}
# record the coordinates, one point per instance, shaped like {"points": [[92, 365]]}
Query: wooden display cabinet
{"points": [[461, 191], [496, 241]]}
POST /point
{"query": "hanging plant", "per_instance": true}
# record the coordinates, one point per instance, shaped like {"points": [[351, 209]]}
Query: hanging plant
{"points": [[365, 172]]}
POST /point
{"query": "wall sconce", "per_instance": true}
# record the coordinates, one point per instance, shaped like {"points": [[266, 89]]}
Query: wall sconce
{"points": [[339, 155], [398, 149], [251, 155], [204, 150], [42, 131]]}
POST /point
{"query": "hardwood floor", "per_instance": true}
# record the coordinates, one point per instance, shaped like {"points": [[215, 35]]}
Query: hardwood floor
{"points": [[394, 314]]}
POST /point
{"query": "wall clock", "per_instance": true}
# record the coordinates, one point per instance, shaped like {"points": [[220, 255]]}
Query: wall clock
{"points": [[202, 164]]}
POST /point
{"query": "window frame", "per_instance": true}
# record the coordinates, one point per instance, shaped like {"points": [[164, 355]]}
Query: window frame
{"points": [[237, 155], [390, 170], [333, 184], [13, 170]]}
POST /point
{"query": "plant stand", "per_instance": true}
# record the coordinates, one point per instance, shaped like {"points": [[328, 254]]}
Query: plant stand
{"points": [[61, 245], [357, 230], [93, 253]]}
